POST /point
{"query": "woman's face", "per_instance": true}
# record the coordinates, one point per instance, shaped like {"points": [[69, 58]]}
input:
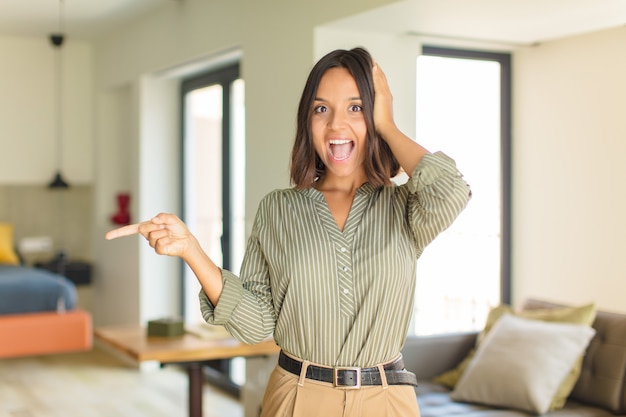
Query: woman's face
{"points": [[338, 124]]}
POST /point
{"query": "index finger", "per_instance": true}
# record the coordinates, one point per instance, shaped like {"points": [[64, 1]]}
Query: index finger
{"points": [[131, 229]]}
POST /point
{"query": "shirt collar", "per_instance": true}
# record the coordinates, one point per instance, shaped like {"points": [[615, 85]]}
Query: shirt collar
{"points": [[314, 194]]}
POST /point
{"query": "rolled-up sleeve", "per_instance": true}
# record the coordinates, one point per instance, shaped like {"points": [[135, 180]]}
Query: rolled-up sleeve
{"points": [[231, 296], [245, 305], [437, 195]]}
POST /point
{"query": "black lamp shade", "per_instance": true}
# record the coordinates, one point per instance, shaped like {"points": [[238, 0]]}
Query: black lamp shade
{"points": [[58, 182]]}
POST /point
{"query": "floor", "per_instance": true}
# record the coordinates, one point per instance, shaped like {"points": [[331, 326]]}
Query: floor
{"points": [[97, 384]]}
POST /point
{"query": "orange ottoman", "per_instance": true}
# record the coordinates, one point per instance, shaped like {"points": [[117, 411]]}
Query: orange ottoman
{"points": [[45, 333]]}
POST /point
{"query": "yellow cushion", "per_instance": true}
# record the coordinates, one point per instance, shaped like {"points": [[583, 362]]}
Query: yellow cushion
{"points": [[574, 315], [7, 253]]}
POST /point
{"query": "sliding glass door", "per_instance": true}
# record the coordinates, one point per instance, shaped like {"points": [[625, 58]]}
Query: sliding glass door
{"points": [[213, 164], [463, 109]]}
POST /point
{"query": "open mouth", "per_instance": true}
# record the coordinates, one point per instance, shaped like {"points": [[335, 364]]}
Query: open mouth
{"points": [[340, 149]]}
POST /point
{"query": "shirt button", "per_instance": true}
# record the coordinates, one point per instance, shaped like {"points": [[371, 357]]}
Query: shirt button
{"points": [[343, 249], [344, 268], [345, 291]]}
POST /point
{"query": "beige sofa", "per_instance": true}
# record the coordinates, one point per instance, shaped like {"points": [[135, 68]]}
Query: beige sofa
{"points": [[599, 391]]}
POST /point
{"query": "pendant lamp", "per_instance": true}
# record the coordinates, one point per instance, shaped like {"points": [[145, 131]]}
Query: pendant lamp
{"points": [[56, 39]]}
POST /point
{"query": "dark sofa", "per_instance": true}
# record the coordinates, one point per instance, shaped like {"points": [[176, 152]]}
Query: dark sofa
{"points": [[600, 390]]}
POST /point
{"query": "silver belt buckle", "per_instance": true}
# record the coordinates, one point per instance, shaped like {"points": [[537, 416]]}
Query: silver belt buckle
{"points": [[357, 377]]}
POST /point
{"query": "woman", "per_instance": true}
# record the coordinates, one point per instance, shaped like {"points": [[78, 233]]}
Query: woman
{"points": [[329, 269]]}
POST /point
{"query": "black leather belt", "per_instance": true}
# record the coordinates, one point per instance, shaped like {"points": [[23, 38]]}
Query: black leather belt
{"points": [[351, 377]]}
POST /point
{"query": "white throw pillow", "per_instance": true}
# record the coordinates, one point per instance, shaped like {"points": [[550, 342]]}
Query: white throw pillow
{"points": [[521, 363]]}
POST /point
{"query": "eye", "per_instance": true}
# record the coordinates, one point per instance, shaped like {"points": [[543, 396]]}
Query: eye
{"points": [[356, 108], [320, 109]]}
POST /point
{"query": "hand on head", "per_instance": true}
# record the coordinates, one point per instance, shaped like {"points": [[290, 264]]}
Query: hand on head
{"points": [[166, 233], [383, 101]]}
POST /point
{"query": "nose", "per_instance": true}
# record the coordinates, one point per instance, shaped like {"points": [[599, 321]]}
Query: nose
{"points": [[337, 120]]}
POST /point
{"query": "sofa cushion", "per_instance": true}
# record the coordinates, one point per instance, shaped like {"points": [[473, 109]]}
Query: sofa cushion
{"points": [[584, 314], [602, 379], [434, 401], [7, 253], [521, 363]]}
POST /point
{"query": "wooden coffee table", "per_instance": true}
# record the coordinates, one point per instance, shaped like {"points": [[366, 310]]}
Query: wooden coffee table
{"points": [[189, 350]]}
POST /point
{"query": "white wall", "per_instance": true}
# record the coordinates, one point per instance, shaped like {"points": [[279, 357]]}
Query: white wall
{"points": [[159, 190], [28, 111], [29, 105], [116, 284], [569, 142]]}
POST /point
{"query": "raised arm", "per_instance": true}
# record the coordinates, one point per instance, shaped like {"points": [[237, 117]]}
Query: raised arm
{"points": [[408, 152], [168, 235]]}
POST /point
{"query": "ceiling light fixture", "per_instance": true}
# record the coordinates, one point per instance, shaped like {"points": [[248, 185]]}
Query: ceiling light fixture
{"points": [[56, 39]]}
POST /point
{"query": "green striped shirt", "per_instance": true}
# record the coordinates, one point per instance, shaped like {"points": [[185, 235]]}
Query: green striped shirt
{"points": [[338, 298]]}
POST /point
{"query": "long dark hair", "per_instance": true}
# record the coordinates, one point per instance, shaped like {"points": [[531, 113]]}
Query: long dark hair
{"points": [[306, 166]]}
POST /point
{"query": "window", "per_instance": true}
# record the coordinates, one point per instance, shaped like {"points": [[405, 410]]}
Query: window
{"points": [[213, 171], [213, 189], [463, 109]]}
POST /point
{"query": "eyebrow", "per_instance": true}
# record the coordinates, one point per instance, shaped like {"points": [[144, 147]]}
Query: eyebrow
{"points": [[349, 99]]}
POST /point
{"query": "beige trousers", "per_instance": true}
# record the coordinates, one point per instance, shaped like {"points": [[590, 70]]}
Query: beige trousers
{"points": [[289, 396]]}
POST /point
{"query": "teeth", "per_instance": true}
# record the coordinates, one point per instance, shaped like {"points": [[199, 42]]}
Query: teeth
{"points": [[339, 142]]}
